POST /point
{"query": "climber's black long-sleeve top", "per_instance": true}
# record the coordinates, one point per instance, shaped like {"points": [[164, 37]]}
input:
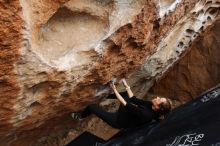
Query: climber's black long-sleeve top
{"points": [[136, 112]]}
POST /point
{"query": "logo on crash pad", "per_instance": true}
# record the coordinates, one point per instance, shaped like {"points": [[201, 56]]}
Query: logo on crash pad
{"points": [[187, 140], [212, 95]]}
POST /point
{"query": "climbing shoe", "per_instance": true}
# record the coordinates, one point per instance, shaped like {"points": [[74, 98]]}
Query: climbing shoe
{"points": [[76, 116]]}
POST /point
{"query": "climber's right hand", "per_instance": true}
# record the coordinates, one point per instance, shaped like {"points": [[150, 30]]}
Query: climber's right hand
{"points": [[125, 83], [112, 85]]}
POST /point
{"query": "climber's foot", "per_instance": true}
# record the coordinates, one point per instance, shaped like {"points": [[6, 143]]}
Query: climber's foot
{"points": [[81, 115], [77, 116]]}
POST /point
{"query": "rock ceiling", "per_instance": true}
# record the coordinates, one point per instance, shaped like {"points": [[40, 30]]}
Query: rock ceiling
{"points": [[58, 55]]}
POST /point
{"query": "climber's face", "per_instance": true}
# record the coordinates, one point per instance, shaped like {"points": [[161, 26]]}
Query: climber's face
{"points": [[157, 101]]}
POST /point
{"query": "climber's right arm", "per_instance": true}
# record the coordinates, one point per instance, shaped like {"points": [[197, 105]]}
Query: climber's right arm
{"points": [[128, 89]]}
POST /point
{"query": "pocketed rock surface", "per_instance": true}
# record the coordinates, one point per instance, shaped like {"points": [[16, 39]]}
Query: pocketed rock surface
{"points": [[196, 72]]}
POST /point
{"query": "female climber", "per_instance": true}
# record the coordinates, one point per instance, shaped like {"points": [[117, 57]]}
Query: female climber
{"points": [[132, 111]]}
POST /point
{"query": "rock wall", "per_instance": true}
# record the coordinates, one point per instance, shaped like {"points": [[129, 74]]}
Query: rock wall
{"points": [[196, 72], [174, 45], [58, 55]]}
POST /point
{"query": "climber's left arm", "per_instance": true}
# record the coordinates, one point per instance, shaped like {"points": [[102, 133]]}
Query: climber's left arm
{"points": [[120, 98]]}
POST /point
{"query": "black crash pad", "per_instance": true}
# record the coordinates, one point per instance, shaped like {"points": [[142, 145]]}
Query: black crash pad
{"points": [[196, 123], [86, 139]]}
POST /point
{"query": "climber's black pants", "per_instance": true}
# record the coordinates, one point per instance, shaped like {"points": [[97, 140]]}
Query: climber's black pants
{"points": [[108, 117]]}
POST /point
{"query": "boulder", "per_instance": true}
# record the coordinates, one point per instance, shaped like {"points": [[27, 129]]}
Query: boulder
{"points": [[57, 56], [196, 72]]}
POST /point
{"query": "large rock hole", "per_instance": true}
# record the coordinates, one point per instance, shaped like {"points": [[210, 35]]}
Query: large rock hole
{"points": [[67, 34]]}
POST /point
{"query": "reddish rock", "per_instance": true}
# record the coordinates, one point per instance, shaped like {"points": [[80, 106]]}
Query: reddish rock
{"points": [[56, 55], [196, 72]]}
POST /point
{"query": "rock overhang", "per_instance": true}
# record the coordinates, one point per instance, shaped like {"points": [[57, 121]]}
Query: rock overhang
{"points": [[177, 42], [63, 38], [59, 73]]}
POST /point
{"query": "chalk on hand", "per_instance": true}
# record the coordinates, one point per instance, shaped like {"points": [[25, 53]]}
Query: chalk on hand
{"points": [[113, 81], [122, 80]]}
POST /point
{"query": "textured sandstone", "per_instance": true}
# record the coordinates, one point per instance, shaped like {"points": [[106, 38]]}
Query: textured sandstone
{"points": [[56, 56], [196, 72], [173, 46]]}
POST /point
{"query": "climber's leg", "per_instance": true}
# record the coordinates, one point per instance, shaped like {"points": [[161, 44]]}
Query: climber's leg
{"points": [[81, 115], [108, 117]]}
